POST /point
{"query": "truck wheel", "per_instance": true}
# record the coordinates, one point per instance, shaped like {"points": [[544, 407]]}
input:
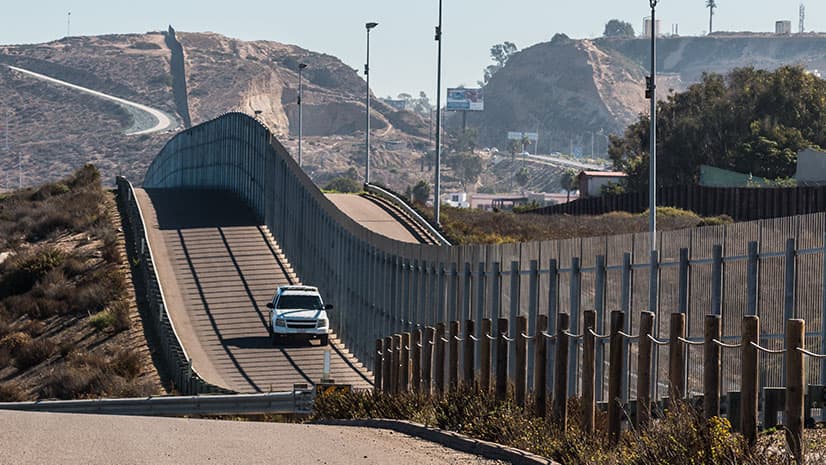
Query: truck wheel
{"points": [[325, 340]]}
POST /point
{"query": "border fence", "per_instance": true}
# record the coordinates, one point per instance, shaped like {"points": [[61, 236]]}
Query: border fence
{"points": [[740, 203], [428, 361], [772, 269]]}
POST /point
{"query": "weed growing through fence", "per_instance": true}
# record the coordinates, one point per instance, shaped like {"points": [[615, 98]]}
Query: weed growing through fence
{"points": [[682, 436]]}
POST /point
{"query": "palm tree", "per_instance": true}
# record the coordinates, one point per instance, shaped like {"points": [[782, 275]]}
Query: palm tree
{"points": [[711, 5]]}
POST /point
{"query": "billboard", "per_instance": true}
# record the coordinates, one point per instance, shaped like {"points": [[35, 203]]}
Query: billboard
{"points": [[513, 135], [465, 100]]}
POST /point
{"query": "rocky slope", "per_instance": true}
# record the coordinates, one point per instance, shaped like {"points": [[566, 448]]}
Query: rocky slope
{"points": [[567, 89], [54, 130]]}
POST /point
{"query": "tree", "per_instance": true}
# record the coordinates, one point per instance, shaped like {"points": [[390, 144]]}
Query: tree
{"points": [[617, 28], [570, 182], [343, 185], [522, 178], [750, 121], [711, 5], [467, 167], [421, 192], [500, 54]]}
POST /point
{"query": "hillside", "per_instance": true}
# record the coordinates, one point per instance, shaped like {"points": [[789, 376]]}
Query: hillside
{"points": [[57, 130], [565, 89], [69, 325]]}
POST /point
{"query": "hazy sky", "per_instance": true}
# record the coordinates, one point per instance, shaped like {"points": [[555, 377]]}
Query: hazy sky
{"points": [[403, 52]]}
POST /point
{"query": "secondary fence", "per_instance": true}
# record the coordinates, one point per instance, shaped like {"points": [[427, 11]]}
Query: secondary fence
{"points": [[441, 358], [768, 268], [177, 364], [740, 203]]}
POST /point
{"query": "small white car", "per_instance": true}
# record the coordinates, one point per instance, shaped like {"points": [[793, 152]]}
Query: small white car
{"points": [[299, 311]]}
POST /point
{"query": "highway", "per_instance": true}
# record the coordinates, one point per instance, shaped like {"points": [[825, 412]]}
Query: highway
{"points": [[148, 120]]}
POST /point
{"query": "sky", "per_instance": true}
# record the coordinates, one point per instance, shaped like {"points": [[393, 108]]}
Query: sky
{"points": [[402, 49]]}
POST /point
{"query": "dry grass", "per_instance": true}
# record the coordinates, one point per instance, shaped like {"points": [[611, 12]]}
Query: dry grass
{"points": [[64, 303], [682, 436], [467, 226]]}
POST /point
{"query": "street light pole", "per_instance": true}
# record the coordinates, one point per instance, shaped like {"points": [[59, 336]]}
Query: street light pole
{"points": [[437, 190], [301, 67], [368, 26], [652, 159]]}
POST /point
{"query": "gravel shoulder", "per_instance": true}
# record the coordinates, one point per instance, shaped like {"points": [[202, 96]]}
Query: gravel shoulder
{"points": [[45, 438]]}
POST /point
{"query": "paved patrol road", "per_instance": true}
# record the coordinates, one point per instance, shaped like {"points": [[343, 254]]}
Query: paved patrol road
{"points": [[34, 438]]}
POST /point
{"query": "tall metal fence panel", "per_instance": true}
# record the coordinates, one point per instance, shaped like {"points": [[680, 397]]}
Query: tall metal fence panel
{"points": [[740, 203], [771, 268]]}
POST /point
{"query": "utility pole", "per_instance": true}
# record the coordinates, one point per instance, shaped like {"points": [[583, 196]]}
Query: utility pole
{"points": [[368, 26], [6, 149], [301, 67], [69, 24], [651, 93], [437, 190]]}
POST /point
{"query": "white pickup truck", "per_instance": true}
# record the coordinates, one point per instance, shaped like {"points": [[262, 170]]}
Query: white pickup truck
{"points": [[299, 311]]}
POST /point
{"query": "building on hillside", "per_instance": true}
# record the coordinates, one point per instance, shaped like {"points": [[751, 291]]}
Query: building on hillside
{"points": [[457, 199], [783, 27], [592, 182], [811, 167], [400, 105]]}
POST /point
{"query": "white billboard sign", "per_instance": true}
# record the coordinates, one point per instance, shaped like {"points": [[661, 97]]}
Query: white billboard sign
{"points": [[534, 136], [465, 100], [514, 135]]}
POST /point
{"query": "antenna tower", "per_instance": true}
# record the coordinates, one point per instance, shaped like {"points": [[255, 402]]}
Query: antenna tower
{"points": [[802, 18]]}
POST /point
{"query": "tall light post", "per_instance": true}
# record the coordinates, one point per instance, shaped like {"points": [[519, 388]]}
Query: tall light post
{"points": [[651, 93], [301, 67], [437, 187], [368, 26]]}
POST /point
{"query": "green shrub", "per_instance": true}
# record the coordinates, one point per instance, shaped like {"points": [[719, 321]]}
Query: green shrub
{"points": [[102, 320], [344, 186]]}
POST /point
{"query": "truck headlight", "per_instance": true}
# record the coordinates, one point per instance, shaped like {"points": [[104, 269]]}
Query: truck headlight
{"points": [[321, 324], [280, 322]]}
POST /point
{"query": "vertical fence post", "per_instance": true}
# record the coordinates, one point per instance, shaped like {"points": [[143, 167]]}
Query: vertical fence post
{"points": [[453, 361], [540, 367], [599, 305], [533, 312], [676, 357], [752, 278], [427, 360], [588, 372], [615, 367], [404, 368], [711, 365], [467, 359], [789, 288], [521, 377], [553, 312], [481, 288], [644, 370], [513, 313], [439, 359], [560, 402], [387, 356], [625, 307], [654, 307], [416, 356], [575, 299], [394, 369], [795, 384], [749, 387], [378, 365], [484, 354], [502, 359], [823, 324]]}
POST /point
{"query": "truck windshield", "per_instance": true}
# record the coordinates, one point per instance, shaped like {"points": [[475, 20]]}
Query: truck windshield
{"points": [[310, 302]]}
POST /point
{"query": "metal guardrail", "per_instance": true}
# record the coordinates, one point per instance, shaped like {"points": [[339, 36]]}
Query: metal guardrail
{"points": [[178, 363], [299, 401], [373, 189]]}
